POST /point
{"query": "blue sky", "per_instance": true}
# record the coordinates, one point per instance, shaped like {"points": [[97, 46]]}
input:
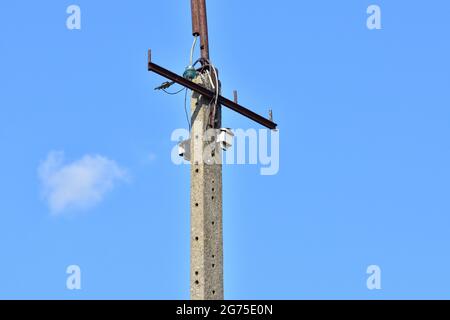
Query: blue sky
{"points": [[364, 151]]}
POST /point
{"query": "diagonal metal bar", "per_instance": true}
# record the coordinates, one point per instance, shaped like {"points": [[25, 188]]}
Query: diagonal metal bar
{"points": [[210, 94]]}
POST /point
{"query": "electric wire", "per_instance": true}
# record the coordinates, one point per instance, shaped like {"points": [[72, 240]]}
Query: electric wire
{"points": [[173, 93], [192, 51], [212, 68], [215, 86], [186, 111]]}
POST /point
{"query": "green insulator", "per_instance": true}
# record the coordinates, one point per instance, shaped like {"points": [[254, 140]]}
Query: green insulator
{"points": [[190, 73]]}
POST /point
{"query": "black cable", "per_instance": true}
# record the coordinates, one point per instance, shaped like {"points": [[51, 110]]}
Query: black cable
{"points": [[185, 110], [172, 93]]}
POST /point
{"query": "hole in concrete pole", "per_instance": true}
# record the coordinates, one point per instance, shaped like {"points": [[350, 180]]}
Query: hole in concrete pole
{"points": [[212, 198], [196, 204], [213, 256], [213, 189], [213, 223], [196, 282], [196, 273], [214, 292], [196, 170], [213, 265], [196, 238]]}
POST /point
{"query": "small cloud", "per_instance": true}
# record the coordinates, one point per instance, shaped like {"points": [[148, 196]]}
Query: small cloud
{"points": [[78, 185]]}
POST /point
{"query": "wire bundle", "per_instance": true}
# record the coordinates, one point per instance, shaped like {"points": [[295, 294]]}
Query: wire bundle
{"points": [[207, 77]]}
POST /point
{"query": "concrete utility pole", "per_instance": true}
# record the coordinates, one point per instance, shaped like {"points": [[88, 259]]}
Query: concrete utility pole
{"points": [[206, 165], [206, 183], [206, 208]]}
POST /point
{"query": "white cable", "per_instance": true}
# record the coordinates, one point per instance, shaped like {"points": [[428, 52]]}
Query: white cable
{"points": [[217, 93], [210, 79], [214, 86], [192, 51], [217, 86]]}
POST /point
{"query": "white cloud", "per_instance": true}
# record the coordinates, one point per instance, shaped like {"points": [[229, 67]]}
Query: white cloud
{"points": [[80, 184]]}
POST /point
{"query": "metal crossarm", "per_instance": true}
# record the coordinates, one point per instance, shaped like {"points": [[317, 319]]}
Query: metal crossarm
{"points": [[209, 94]]}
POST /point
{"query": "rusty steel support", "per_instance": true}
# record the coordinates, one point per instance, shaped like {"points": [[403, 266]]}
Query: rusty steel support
{"points": [[195, 18], [203, 22]]}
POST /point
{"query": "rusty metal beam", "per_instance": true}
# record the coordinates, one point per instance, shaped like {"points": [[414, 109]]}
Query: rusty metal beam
{"points": [[203, 22], [210, 94], [195, 18]]}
